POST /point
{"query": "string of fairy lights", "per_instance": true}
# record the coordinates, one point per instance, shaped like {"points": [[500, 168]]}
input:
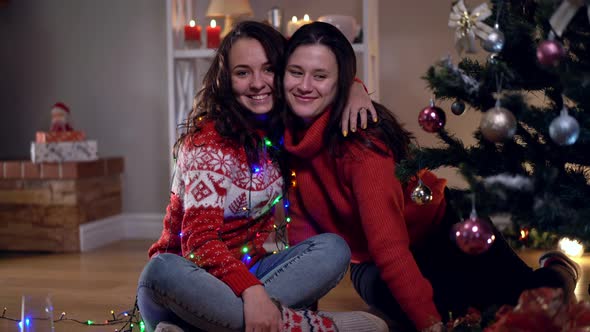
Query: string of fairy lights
{"points": [[127, 321]]}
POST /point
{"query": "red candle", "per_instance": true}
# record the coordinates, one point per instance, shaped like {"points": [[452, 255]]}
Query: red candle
{"points": [[192, 32], [213, 35]]}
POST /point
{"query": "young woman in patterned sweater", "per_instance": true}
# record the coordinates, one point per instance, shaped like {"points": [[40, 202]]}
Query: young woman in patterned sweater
{"points": [[209, 269], [404, 263]]}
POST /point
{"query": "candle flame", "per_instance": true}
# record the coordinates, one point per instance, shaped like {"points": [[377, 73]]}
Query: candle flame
{"points": [[213, 24], [192, 23], [294, 19], [306, 18]]}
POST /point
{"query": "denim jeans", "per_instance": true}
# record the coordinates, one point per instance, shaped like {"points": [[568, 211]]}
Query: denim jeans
{"points": [[173, 289]]}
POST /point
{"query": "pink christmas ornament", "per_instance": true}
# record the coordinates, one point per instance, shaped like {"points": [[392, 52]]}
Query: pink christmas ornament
{"points": [[432, 118], [550, 52], [473, 236]]}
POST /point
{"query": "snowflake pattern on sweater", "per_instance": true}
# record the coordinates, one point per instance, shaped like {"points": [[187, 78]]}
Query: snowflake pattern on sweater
{"points": [[217, 206]]}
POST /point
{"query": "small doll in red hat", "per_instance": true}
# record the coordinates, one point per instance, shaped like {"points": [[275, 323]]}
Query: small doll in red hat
{"points": [[59, 117]]}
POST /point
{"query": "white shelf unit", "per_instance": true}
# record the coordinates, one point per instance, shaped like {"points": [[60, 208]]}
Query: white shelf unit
{"points": [[187, 66]]}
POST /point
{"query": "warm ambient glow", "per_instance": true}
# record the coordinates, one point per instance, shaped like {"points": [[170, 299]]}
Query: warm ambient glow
{"points": [[192, 23], [572, 248], [213, 24]]}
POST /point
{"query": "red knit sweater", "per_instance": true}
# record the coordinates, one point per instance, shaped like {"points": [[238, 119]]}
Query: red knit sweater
{"points": [[358, 197], [218, 205]]}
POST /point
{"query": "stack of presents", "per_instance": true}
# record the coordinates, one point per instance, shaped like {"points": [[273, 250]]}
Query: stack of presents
{"points": [[47, 203], [62, 142]]}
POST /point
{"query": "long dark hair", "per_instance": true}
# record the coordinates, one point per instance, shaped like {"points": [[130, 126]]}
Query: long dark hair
{"points": [[216, 101], [388, 129]]}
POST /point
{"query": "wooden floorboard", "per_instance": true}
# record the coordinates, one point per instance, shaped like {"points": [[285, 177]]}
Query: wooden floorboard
{"points": [[90, 285]]}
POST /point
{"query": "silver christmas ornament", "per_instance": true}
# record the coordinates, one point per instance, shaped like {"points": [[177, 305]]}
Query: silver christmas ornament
{"points": [[493, 59], [498, 124], [421, 194], [564, 129], [494, 41], [458, 107]]}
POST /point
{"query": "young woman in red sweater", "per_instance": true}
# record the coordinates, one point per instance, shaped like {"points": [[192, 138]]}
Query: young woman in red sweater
{"points": [[404, 262], [209, 270]]}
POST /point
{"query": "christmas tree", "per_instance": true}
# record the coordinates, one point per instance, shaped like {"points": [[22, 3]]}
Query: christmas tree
{"points": [[531, 159]]}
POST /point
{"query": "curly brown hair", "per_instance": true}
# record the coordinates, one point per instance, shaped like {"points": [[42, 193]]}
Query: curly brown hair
{"points": [[216, 101]]}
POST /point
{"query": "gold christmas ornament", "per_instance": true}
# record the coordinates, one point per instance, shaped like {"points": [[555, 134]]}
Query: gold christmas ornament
{"points": [[498, 124], [421, 194], [469, 25]]}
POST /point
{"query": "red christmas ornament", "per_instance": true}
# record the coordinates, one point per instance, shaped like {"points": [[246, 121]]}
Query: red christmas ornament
{"points": [[432, 118], [473, 236], [550, 52]]}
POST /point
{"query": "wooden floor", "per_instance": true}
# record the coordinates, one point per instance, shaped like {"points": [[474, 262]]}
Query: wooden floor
{"points": [[88, 286]]}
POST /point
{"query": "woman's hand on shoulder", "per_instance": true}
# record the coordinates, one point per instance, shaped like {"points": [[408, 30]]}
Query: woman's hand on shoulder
{"points": [[260, 312], [358, 105]]}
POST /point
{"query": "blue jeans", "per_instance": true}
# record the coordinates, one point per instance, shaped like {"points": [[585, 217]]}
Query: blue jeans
{"points": [[173, 289]]}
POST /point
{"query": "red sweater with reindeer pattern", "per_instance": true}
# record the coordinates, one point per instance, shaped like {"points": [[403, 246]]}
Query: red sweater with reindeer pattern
{"points": [[217, 206]]}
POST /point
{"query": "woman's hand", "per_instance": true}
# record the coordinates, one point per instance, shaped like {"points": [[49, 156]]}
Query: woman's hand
{"points": [[358, 104], [260, 313]]}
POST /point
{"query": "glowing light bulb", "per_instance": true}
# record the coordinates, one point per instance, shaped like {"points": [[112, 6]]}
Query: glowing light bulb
{"points": [[571, 247]]}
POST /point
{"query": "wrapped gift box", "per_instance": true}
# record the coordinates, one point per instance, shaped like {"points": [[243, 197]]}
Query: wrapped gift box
{"points": [[59, 136], [64, 151]]}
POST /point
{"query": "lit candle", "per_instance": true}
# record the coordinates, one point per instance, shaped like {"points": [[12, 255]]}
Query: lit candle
{"points": [[213, 35], [305, 20], [192, 33], [292, 26]]}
